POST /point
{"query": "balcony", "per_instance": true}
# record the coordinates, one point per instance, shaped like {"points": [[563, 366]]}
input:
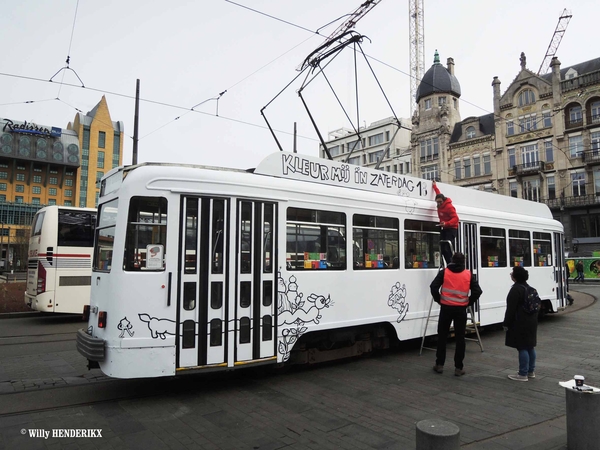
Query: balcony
{"points": [[591, 157], [530, 168], [574, 123], [571, 202]]}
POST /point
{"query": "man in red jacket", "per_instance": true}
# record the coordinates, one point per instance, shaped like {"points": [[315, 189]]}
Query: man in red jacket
{"points": [[454, 298], [448, 221]]}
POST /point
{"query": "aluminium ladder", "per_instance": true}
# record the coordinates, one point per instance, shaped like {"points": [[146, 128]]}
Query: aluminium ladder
{"points": [[470, 327]]}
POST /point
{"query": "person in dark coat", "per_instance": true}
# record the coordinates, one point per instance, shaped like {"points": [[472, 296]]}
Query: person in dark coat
{"points": [[448, 221], [520, 327], [454, 289]]}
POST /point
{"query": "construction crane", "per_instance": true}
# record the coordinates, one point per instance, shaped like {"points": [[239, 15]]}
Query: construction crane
{"points": [[417, 48], [561, 27]]}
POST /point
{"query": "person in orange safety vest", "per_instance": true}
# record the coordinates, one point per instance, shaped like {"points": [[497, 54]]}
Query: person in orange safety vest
{"points": [[454, 288]]}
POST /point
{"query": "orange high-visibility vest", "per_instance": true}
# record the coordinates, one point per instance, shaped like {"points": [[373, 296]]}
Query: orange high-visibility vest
{"points": [[455, 289]]}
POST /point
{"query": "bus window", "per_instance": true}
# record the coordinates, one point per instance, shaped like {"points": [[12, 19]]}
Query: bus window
{"points": [[542, 249], [76, 229], [493, 247], [315, 240], [376, 242], [421, 244], [105, 236], [38, 222], [520, 247], [147, 225]]}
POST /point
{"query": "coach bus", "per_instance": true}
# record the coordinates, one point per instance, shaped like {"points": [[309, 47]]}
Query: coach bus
{"points": [[59, 266], [299, 260]]}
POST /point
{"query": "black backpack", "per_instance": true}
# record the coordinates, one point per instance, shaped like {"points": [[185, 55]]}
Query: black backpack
{"points": [[532, 302]]}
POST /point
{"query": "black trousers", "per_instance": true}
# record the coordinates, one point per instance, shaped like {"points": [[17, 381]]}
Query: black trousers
{"points": [[449, 314], [448, 234]]}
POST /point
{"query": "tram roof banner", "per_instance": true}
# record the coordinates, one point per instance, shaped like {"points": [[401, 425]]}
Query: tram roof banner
{"points": [[322, 171]]}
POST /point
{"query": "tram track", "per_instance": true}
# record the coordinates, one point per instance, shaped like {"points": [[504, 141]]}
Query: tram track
{"points": [[37, 339]]}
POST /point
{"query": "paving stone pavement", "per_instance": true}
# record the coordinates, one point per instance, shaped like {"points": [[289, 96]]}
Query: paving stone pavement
{"points": [[366, 403]]}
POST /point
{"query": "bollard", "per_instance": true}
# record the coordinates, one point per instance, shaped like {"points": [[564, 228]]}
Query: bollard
{"points": [[583, 420], [433, 434]]}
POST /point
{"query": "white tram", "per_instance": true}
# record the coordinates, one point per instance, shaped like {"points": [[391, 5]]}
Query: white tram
{"points": [[300, 260]]}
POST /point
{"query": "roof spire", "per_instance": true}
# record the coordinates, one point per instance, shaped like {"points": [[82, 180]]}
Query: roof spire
{"points": [[436, 57]]}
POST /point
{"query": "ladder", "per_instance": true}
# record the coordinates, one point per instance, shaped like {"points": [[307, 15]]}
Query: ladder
{"points": [[472, 326]]}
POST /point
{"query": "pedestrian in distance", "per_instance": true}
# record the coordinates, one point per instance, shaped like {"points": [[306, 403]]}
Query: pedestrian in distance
{"points": [[520, 322], [454, 289], [448, 222], [567, 275], [579, 269]]}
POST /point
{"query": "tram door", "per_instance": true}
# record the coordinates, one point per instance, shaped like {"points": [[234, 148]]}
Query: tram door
{"points": [[469, 244], [255, 281], [560, 272], [203, 283]]}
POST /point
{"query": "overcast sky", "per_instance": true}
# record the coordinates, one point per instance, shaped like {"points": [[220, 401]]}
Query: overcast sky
{"points": [[187, 52]]}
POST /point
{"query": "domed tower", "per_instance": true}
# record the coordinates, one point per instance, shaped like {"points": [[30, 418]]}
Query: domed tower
{"points": [[434, 119]]}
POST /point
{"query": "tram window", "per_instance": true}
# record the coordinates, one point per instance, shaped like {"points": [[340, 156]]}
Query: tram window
{"points": [[421, 244], [268, 239], [105, 236], [191, 235], [519, 243], [315, 240], [542, 249], [216, 333], [189, 295], [375, 242], [493, 247], [246, 237], [147, 225], [218, 224]]}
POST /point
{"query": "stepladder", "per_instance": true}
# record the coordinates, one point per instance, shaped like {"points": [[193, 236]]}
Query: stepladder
{"points": [[471, 319]]}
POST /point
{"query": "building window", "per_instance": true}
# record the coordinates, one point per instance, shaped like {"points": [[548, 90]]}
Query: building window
{"points": [[595, 111], [37, 169], [85, 142], [428, 104], [547, 118], [20, 177], [430, 172], [3, 175], [374, 157], [441, 101], [52, 201], [54, 180], [101, 160], [512, 157], [68, 192], [578, 183], [356, 145], [470, 132], [68, 203], [457, 169], [52, 191], [53, 171], [117, 149], [575, 146], [19, 188], [512, 187], [467, 164], [549, 151], [487, 165], [101, 139], [376, 139], [3, 186], [68, 182], [551, 187], [476, 166], [333, 151], [510, 127], [20, 167], [355, 160], [19, 199], [430, 149], [35, 201], [2, 198], [531, 190], [529, 155], [387, 136], [36, 190], [526, 97], [37, 178], [527, 123], [69, 173], [575, 115], [595, 142]]}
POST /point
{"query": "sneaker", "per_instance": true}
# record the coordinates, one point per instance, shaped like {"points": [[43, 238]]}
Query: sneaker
{"points": [[459, 372], [438, 369], [518, 377], [531, 375]]}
